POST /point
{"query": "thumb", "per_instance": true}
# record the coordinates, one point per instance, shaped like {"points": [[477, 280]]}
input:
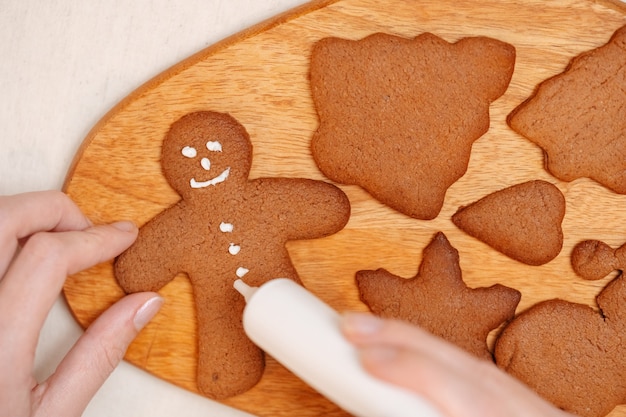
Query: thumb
{"points": [[95, 355]]}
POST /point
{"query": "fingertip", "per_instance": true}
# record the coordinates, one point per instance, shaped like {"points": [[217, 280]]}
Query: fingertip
{"points": [[147, 311], [98, 351], [88, 221], [360, 325], [125, 226]]}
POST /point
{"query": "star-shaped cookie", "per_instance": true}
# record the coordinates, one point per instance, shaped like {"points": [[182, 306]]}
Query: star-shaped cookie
{"points": [[438, 300]]}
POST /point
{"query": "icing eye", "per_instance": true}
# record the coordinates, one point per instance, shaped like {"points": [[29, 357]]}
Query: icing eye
{"points": [[189, 152], [214, 146]]}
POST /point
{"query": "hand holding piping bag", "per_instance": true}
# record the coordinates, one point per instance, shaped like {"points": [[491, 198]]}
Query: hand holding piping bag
{"points": [[342, 357]]}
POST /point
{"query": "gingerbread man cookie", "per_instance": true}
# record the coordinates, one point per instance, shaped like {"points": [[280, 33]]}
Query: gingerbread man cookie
{"points": [[225, 227], [438, 300]]}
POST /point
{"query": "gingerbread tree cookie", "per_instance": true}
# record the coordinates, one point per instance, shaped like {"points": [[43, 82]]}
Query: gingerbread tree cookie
{"points": [[579, 119], [522, 221], [438, 300], [225, 227], [398, 116], [571, 354]]}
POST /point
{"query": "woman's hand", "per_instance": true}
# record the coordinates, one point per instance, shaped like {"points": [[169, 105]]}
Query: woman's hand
{"points": [[455, 382], [44, 237]]}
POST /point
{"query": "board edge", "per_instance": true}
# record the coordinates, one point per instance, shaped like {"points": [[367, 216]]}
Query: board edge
{"points": [[154, 82]]}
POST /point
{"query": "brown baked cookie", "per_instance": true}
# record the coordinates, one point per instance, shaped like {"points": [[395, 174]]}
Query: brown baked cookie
{"points": [[571, 354], [398, 116], [593, 260], [438, 300], [578, 117], [225, 227], [522, 221]]}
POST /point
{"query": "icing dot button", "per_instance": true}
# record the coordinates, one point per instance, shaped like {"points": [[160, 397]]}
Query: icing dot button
{"points": [[226, 227], [241, 272], [234, 249]]}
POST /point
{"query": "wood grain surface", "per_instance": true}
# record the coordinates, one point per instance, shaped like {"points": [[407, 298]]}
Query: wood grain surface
{"points": [[261, 78]]}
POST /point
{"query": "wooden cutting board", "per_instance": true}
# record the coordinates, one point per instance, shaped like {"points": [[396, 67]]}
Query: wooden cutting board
{"points": [[260, 77]]}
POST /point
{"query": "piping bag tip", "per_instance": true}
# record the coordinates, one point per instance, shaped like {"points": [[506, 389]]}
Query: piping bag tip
{"points": [[244, 289]]}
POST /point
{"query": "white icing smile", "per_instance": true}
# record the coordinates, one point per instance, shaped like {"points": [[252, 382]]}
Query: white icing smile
{"points": [[203, 184]]}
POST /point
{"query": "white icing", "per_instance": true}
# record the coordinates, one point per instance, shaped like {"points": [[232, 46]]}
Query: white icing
{"points": [[220, 178], [214, 146], [226, 227], [189, 152], [234, 249], [206, 164], [241, 271]]}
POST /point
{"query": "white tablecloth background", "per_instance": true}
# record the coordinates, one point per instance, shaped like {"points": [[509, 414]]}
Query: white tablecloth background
{"points": [[63, 65]]}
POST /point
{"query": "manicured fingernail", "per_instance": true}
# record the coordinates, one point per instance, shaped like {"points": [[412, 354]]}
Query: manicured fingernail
{"points": [[363, 324], [147, 312], [379, 355], [124, 226]]}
